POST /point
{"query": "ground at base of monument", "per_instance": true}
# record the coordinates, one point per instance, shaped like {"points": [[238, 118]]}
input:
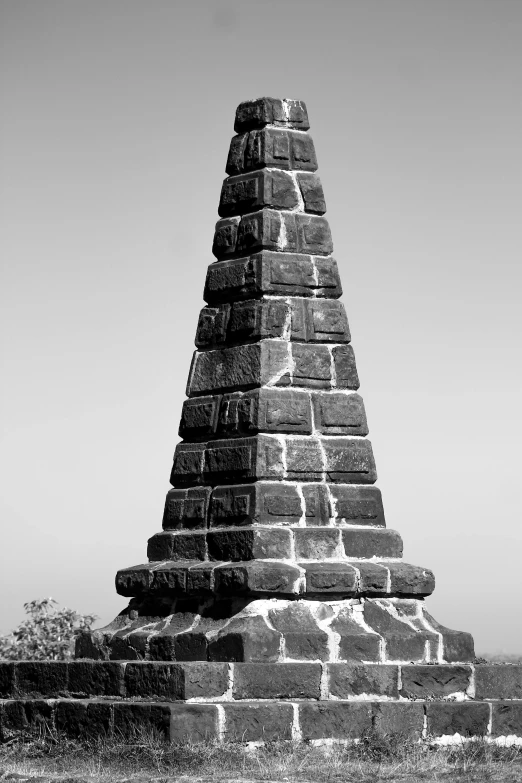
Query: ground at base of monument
{"points": [[147, 759]]}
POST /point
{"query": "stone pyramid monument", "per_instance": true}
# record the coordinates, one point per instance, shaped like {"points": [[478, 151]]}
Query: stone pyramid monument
{"points": [[275, 604], [274, 545]]}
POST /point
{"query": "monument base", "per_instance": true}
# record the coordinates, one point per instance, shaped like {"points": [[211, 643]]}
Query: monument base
{"points": [[245, 702]]}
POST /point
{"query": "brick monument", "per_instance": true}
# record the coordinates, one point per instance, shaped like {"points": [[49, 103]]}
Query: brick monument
{"points": [[275, 602]]}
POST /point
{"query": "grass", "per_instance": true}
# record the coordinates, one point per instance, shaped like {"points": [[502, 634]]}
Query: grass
{"points": [[146, 757]]}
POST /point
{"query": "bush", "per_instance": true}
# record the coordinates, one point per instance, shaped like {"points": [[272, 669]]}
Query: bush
{"points": [[48, 634]]}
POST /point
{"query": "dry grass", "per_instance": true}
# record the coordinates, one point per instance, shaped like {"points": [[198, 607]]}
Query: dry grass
{"points": [[148, 758]]}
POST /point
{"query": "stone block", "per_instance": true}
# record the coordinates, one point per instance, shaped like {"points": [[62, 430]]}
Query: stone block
{"points": [[311, 192], [186, 508], [469, 719], [273, 148], [200, 579], [268, 229], [347, 680], [260, 503], [338, 578], [303, 638], [435, 682], [498, 681], [188, 464], [194, 723], [225, 237], [199, 417], [402, 642], [240, 459], [506, 719], [7, 681], [372, 542], [267, 410], [318, 321], [272, 273], [13, 716], [355, 643], [410, 580], [250, 544], [284, 113], [134, 580], [266, 188], [40, 678], [458, 646], [212, 325], [256, 320], [240, 367], [257, 577], [131, 717], [317, 543], [339, 414], [168, 545], [205, 680], [95, 678], [406, 720], [373, 578], [254, 722], [246, 639], [349, 460], [335, 720], [277, 681], [304, 459], [344, 367], [356, 505], [312, 366], [191, 646], [170, 577], [236, 154], [317, 506], [154, 680], [313, 235], [80, 719]]}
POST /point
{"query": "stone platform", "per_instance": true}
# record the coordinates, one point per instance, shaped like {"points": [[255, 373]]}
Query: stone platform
{"points": [[258, 702]]}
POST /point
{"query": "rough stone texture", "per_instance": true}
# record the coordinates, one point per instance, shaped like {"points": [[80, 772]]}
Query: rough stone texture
{"points": [[272, 147], [465, 718], [401, 719], [348, 680], [424, 682], [507, 719], [334, 720], [494, 681], [285, 113], [255, 722], [288, 681]]}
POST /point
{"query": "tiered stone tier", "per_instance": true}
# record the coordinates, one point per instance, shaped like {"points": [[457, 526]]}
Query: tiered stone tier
{"points": [[274, 546]]}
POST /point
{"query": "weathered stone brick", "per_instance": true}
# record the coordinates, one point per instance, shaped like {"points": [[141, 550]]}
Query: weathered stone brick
{"points": [[303, 638], [356, 643], [267, 410], [225, 237], [439, 681], [313, 234], [236, 154], [335, 720], [212, 325], [188, 464], [255, 320], [271, 147], [41, 678], [506, 719], [194, 723], [150, 680], [171, 577], [200, 579], [498, 681], [345, 369], [186, 508], [134, 580], [277, 681], [257, 577], [253, 722], [331, 578], [457, 645], [260, 503], [239, 367], [349, 460], [406, 720], [266, 188], [285, 113], [199, 417], [205, 679], [372, 542], [469, 719], [410, 580], [312, 192], [245, 639], [318, 320], [346, 680], [248, 544], [403, 643], [356, 505], [317, 543], [268, 229], [79, 719], [272, 273], [7, 683], [239, 459], [373, 578], [316, 500], [130, 717], [12, 716], [177, 546], [339, 414], [304, 459], [312, 366], [95, 678]]}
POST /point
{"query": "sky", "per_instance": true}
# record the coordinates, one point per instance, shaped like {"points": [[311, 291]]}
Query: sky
{"points": [[114, 132]]}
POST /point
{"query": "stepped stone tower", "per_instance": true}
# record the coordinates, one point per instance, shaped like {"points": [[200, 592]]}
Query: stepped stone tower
{"points": [[274, 546], [275, 603]]}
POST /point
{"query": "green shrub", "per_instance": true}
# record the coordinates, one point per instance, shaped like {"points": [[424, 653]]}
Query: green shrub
{"points": [[47, 634]]}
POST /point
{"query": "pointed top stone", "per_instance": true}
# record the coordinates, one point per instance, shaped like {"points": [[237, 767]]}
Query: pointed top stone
{"points": [[283, 112]]}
